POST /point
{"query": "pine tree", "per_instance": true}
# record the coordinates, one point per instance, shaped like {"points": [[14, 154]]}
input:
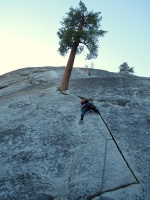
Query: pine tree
{"points": [[80, 28], [125, 69]]}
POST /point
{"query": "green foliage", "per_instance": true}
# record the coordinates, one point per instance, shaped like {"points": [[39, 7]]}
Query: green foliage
{"points": [[125, 69], [82, 28]]}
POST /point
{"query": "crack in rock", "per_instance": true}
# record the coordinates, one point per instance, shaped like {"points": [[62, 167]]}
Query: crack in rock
{"points": [[4, 86], [98, 194], [120, 102]]}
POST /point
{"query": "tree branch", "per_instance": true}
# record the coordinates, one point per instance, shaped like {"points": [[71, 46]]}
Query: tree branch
{"points": [[85, 44]]}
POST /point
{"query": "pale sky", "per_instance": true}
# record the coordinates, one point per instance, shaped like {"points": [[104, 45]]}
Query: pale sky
{"points": [[28, 34]]}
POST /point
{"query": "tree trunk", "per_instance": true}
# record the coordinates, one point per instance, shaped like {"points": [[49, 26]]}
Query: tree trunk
{"points": [[68, 69]]}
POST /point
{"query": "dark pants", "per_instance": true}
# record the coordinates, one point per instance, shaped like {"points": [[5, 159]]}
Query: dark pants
{"points": [[85, 109]]}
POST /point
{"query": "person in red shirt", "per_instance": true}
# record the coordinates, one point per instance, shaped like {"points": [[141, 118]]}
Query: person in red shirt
{"points": [[86, 105]]}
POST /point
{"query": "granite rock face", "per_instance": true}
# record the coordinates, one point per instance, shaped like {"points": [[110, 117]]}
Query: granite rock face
{"points": [[47, 155]]}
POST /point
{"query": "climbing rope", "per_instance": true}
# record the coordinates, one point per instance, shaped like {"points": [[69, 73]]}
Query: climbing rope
{"points": [[119, 149]]}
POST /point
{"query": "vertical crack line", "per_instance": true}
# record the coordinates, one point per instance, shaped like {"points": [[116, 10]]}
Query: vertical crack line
{"points": [[119, 149], [101, 131], [98, 194], [103, 172]]}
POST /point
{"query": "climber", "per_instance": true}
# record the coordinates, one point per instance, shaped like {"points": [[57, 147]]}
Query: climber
{"points": [[86, 105]]}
